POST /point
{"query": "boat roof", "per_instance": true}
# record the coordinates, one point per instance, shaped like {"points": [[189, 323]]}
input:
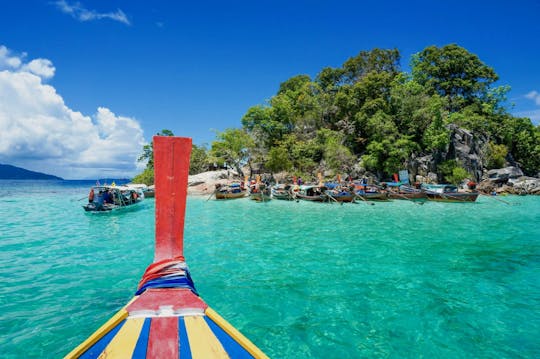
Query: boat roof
{"points": [[434, 186], [308, 186], [137, 185], [119, 188]]}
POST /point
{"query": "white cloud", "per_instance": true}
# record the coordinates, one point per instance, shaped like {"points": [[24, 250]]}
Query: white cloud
{"points": [[77, 11], [534, 115], [41, 67], [38, 131], [7, 60], [535, 96], [14, 62]]}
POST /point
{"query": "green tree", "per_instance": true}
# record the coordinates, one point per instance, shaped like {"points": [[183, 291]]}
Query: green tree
{"points": [[146, 177], [452, 172], [453, 72], [233, 147], [376, 60], [496, 155], [148, 150], [278, 159], [337, 156], [198, 160], [436, 136]]}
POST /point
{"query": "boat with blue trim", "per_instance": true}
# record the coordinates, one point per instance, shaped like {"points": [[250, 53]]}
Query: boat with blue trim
{"points": [[107, 198], [167, 318]]}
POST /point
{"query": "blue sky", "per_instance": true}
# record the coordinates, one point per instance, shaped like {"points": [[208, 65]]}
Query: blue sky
{"points": [[84, 84]]}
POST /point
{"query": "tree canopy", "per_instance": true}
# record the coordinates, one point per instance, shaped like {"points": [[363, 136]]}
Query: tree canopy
{"points": [[369, 114]]}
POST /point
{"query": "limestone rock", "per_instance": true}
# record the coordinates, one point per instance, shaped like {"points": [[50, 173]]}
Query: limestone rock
{"points": [[502, 175]]}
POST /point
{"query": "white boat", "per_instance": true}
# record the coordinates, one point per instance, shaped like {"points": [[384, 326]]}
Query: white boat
{"points": [[105, 198]]}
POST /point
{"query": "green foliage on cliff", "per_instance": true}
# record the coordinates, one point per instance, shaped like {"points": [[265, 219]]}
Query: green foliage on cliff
{"points": [[370, 112]]}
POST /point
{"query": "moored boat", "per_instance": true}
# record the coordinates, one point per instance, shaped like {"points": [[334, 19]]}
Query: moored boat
{"points": [[339, 193], [166, 317], [107, 198], [370, 193], [447, 193], [148, 191], [406, 193], [260, 192], [231, 191], [313, 193], [282, 191]]}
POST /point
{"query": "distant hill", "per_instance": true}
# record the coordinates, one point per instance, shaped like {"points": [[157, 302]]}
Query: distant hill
{"points": [[12, 172]]}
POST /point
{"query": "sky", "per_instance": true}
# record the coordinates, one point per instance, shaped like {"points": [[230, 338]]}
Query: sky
{"points": [[85, 84]]}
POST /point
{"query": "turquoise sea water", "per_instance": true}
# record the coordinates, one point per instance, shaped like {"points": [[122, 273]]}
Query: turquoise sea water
{"points": [[301, 280]]}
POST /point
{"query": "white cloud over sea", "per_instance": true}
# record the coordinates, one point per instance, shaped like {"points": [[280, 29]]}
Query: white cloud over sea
{"points": [[38, 131]]}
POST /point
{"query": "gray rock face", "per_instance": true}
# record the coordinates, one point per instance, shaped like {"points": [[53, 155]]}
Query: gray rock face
{"points": [[504, 174], [526, 185], [468, 149]]}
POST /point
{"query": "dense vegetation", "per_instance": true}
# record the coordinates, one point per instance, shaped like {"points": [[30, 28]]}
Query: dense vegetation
{"points": [[369, 114]]}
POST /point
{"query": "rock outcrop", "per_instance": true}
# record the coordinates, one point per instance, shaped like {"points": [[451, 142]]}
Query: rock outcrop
{"points": [[468, 149], [205, 182], [465, 147], [502, 175]]}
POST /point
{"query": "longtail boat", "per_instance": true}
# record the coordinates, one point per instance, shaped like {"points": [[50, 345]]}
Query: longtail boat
{"points": [[405, 192], [166, 318], [109, 198], [371, 194], [447, 193], [313, 193], [232, 191], [340, 194], [282, 191], [260, 192]]}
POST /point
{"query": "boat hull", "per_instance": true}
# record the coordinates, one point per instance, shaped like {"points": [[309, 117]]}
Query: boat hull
{"points": [[452, 197], [343, 197], [407, 195], [317, 198], [260, 197], [282, 195], [228, 195], [107, 208], [376, 196]]}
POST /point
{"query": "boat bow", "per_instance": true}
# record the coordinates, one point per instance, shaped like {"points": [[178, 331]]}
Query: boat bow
{"points": [[167, 318]]}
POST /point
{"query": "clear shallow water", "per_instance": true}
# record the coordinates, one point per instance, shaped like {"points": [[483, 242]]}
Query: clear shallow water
{"points": [[299, 279]]}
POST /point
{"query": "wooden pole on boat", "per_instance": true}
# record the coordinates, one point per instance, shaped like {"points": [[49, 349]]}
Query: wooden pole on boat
{"points": [[332, 197], [363, 199], [171, 159]]}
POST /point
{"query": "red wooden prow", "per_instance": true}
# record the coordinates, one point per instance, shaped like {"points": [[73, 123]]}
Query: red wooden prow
{"points": [[171, 169]]}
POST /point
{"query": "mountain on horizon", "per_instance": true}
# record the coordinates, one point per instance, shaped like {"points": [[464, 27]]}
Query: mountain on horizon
{"points": [[18, 173]]}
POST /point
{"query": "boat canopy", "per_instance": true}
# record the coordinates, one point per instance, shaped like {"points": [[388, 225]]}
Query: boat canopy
{"points": [[305, 187], [117, 188], [439, 188]]}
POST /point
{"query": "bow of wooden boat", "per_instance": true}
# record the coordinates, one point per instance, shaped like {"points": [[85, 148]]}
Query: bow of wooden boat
{"points": [[167, 318]]}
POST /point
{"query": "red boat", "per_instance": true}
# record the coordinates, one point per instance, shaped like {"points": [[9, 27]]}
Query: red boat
{"points": [[166, 318]]}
